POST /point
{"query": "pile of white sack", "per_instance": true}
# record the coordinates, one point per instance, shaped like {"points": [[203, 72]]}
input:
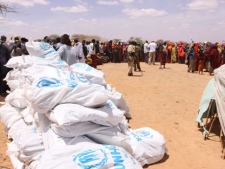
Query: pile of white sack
{"points": [[61, 116]]}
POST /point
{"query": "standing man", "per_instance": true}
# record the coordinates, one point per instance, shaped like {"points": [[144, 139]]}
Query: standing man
{"points": [[146, 51], [4, 57], [23, 46], [3, 42], [101, 48], [191, 56], [117, 53], [137, 57], [109, 50], [85, 49], [92, 52], [130, 57], [79, 51], [97, 47], [152, 47]]}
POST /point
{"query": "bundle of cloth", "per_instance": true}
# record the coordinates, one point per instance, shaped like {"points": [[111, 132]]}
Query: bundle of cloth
{"points": [[60, 116]]}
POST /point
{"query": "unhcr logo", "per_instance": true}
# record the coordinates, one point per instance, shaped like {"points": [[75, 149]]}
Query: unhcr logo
{"points": [[144, 133], [91, 159], [48, 82], [82, 78], [137, 137]]}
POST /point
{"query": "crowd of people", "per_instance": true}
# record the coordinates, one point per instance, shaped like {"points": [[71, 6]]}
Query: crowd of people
{"points": [[197, 56]]}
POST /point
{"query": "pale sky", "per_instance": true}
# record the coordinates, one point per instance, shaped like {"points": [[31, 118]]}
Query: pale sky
{"points": [[174, 20]]}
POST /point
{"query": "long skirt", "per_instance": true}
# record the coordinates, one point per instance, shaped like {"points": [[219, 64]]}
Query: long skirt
{"points": [[163, 58]]}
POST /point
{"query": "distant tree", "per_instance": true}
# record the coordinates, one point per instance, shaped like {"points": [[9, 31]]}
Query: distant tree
{"points": [[160, 41], [85, 37], [116, 40], [131, 39], [5, 8], [79, 36], [96, 37], [137, 39]]}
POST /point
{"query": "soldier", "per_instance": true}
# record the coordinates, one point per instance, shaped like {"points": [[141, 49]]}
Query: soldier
{"points": [[130, 57], [137, 57]]}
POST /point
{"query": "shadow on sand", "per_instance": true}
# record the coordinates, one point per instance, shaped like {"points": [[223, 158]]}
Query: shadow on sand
{"points": [[166, 157]]}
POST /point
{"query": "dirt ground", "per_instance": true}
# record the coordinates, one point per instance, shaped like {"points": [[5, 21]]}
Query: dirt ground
{"points": [[166, 100]]}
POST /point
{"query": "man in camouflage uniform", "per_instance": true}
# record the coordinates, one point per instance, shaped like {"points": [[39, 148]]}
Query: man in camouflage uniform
{"points": [[137, 57], [130, 57]]}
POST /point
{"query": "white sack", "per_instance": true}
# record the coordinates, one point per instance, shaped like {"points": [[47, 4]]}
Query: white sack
{"points": [[13, 152], [52, 140], [16, 127], [17, 99], [13, 84], [87, 155], [42, 49], [111, 136], [77, 129], [13, 75], [124, 126], [117, 98], [46, 93], [16, 163], [37, 71], [16, 78], [43, 67], [30, 143], [20, 77], [9, 115], [148, 145], [66, 114], [25, 113], [20, 62], [51, 63], [92, 74], [40, 67], [42, 123]]}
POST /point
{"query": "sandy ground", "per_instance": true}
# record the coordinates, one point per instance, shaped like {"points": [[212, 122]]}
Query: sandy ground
{"points": [[166, 100]]}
